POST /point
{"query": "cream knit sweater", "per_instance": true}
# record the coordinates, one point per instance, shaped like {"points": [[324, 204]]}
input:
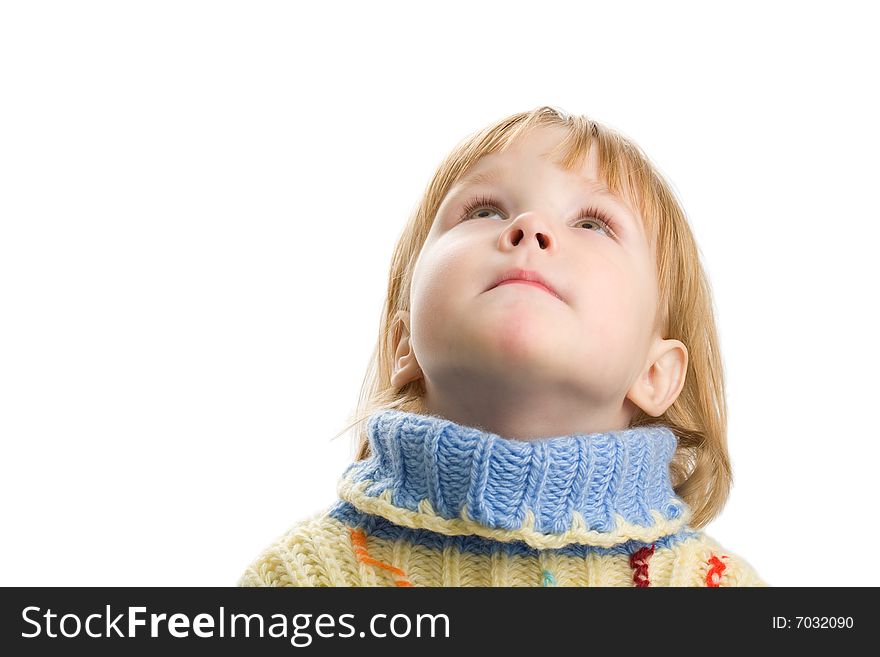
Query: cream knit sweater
{"points": [[442, 504]]}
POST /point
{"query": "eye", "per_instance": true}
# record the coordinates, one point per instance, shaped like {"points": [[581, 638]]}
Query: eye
{"points": [[487, 206], [484, 204], [591, 215]]}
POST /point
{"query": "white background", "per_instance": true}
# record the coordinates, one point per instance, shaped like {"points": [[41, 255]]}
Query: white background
{"points": [[199, 201]]}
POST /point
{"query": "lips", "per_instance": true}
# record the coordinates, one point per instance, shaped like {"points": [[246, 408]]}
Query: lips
{"points": [[526, 275]]}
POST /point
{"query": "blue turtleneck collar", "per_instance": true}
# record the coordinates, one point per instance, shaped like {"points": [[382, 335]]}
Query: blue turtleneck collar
{"points": [[601, 489]]}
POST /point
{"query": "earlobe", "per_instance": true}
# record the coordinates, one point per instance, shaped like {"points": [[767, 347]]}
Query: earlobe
{"points": [[405, 367], [661, 383]]}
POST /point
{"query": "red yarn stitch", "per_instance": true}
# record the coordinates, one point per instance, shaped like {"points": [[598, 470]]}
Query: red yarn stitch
{"points": [[638, 560], [713, 577], [359, 539]]}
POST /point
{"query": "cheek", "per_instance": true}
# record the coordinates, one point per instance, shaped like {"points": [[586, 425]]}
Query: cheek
{"points": [[443, 273], [445, 278], [613, 310], [617, 318]]}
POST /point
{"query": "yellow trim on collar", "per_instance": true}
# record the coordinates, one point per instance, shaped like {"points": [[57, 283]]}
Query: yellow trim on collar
{"points": [[426, 518]]}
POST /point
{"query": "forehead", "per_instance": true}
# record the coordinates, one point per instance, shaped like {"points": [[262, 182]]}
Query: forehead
{"points": [[541, 146]]}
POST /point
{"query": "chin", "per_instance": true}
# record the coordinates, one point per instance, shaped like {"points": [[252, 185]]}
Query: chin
{"points": [[523, 342]]}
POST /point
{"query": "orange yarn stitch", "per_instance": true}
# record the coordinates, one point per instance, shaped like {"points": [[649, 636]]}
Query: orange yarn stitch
{"points": [[359, 539], [638, 560], [713, 577]]}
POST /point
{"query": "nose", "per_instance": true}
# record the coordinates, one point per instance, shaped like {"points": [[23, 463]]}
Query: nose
{"points": [[527, 228]]}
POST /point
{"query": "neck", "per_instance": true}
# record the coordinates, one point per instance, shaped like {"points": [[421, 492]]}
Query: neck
{"points": [[601, 488], [519, 414]]}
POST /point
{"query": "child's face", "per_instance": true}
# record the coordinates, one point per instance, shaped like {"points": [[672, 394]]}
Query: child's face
{"points": [[515, 358]]}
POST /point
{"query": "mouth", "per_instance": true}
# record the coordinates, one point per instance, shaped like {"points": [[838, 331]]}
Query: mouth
{"points": [[526, 277], [530, 283]]}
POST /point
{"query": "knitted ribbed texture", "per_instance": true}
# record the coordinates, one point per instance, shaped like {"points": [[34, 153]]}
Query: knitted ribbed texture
{"points": [[442, 504]]}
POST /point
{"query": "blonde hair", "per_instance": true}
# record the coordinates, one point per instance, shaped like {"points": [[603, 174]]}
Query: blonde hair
{"points": [[700, 470]]}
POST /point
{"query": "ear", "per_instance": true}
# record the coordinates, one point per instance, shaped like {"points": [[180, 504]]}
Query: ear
{"points": [[659, 385], [406, 367]]}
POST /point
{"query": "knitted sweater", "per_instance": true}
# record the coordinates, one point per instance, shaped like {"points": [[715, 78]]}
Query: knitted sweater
{"points": [[442, 504]]}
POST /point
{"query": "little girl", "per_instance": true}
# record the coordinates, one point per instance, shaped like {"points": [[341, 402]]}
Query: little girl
{"points": [[544, 407]]}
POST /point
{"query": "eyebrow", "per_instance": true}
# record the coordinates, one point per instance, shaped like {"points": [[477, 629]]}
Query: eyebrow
{"points": [[479, 178], [495, 174]]}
